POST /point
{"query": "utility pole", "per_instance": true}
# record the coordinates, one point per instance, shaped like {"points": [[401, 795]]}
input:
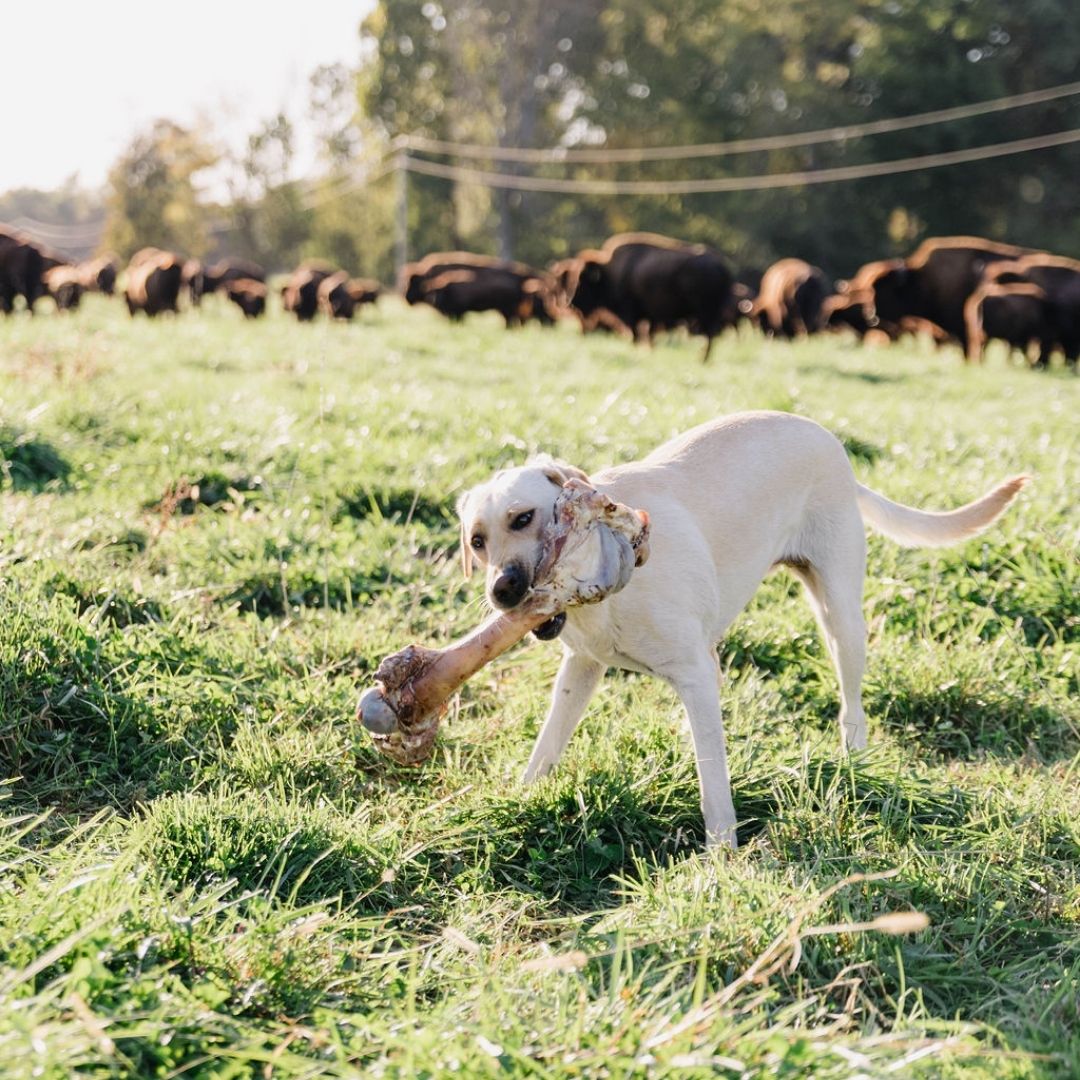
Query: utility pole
{"points": [[401, 164]]}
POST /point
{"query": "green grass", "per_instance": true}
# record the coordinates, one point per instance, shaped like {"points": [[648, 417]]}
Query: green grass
{"points": [[210, 533]]}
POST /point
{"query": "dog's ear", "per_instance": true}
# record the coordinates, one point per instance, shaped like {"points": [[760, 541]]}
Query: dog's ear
{"points": [[466, 551], [558, 472]]}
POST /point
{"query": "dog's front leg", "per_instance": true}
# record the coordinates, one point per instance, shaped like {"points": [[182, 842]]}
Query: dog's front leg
{"points": [[577, 679], [698, 688]]}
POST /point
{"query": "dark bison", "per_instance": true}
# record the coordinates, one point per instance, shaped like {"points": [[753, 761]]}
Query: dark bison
{"points": [[457, 292], [1017, 313], [64, 285], [790, 298], [340, 295], [935, 282], [653, 283], [414, 279], [21, 269], [216, 277], [99, 275], [193, 280], [248, 295], [300, 294], [1059, 278], [852, 309], [153, 281]]}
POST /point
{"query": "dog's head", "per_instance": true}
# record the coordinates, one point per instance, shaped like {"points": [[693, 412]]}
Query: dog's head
{"points": [[502, 523]]}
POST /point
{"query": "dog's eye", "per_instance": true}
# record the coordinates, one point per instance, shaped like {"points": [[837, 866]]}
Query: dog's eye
{"points": [[477, 543], [522, 521]]}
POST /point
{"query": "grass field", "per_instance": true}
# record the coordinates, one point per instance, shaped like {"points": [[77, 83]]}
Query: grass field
{"points": [[210, 533]]}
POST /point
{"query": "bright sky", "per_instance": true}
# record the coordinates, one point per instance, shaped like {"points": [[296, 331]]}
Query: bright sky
{"points": [[78, 79]]}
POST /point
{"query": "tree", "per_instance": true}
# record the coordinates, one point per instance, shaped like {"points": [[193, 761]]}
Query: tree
{"points": [[152, 198]]}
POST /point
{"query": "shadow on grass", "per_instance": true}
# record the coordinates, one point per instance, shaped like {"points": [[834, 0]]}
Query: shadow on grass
{"points": [[965, 719], [29, 463], [874, 378]]}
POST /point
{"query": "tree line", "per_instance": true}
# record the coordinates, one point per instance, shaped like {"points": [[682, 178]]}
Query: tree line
{"points": [[635, 73]]}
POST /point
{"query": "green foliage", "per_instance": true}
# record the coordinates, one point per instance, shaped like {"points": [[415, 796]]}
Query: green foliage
{"points": [[630, 73], [152, 196], [207, 870]]}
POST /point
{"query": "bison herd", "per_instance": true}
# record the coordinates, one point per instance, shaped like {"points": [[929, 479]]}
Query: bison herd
{"points": [[960, 290]]}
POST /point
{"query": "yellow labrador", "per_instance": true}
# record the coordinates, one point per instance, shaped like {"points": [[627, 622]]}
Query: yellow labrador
{"points": [[728, 501]]}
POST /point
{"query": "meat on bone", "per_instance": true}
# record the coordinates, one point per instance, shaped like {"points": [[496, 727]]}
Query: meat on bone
{"points": [[590, 549]]}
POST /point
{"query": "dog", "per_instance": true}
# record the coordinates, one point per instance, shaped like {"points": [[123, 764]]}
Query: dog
{"points": [[728, 501]]}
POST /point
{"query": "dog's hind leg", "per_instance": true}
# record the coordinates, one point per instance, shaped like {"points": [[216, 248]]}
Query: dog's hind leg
{"points": [[697, 685], [574, 686], [834, 583]]}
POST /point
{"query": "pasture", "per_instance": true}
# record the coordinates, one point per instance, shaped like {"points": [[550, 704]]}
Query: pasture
{"points": [[210, 533]]}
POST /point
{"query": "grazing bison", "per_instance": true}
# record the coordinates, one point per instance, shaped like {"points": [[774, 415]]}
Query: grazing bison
{"points": [[852, 309], [457, 292], [790, 299], [153, 281], [193, 280], [1017, 313], [414, 279], [1059, 278], [99, 275], [653, 283], [64, 285], [340, 295], [300, 294], [21, 268], [935, 281], [230, 269], [364, 291], [248, 295]]}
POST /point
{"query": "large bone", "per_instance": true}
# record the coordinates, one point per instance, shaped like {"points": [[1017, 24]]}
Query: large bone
{"points": [[590, 549]]}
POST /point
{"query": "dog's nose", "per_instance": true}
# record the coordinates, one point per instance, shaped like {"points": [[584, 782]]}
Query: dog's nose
{"points": [[510, 587]]}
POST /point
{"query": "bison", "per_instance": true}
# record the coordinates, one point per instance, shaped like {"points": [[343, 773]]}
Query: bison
{"points": [[790, 298], [653, 283], [300, 294], [1060, 279], [153, 281], [64, 285], [1017, 313], [935, 282], [21, 270], [414, 279], [340, 295], [99, 275], [457, 292], [248, 295]]}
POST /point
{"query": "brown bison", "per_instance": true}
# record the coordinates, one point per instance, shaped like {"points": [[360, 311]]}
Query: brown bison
{"points": [[340, 295], [300, 294], [653, 283], [99, 275], [153, 281], [248, 295], [790, 298], [233, 269], [64, 285]]}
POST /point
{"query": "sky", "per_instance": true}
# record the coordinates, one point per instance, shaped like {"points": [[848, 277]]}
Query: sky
{"points": [[79, 79]]}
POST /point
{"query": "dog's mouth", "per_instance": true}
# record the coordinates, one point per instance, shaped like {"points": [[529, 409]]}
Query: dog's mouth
{"points": [[548, 631]]}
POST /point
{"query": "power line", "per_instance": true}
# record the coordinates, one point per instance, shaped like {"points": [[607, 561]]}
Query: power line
{"points": [[739, 183], [737, 146]]}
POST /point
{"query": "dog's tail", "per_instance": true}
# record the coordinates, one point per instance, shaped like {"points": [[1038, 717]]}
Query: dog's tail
{"points": [[922, 528]]}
